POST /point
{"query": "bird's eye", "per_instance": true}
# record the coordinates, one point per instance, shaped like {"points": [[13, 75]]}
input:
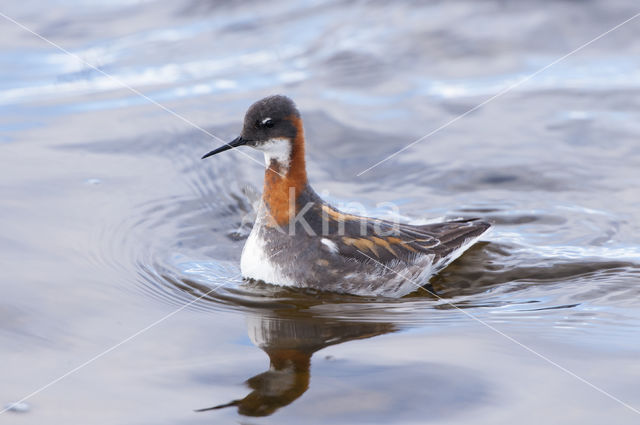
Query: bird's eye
{"points": [[267, 122]]}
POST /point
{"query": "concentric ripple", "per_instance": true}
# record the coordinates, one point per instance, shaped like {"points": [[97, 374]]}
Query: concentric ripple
{"points": [[557, 262]]}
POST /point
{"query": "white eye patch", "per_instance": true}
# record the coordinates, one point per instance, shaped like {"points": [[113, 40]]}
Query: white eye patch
{"points": [[264, 121]]}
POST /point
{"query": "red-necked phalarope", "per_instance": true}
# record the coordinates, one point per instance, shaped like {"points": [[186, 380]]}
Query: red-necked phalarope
{"points": [[300, 240]]}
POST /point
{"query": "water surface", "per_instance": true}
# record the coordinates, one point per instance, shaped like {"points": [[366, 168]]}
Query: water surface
{"points": [[110, 221]]}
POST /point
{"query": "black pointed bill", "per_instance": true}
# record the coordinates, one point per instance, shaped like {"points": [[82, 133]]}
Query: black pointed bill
{"points": [[238, 141]]}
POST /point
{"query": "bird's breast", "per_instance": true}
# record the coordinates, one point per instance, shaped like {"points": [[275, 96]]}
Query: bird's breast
{"points": [[257, 261]]}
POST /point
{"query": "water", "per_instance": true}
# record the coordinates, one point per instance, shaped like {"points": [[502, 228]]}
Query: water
{"points": [[111, 223]]}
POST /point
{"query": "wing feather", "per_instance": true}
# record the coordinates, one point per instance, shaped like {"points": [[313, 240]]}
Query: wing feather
{"points": [[386, 241]]}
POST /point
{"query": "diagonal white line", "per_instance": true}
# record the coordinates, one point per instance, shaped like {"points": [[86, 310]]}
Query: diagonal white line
{"points": [[500, 93], [124, 341], [510, 338], [107, 351], [172, 112], [125, 85]]}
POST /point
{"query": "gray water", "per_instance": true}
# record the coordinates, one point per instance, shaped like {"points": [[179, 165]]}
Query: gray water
{"points": [[113, 230]]}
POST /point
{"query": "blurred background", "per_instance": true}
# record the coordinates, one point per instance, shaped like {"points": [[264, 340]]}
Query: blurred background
{"points": [[109, 221]]}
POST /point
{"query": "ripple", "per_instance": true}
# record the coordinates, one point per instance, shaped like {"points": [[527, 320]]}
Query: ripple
{"points": [[492, 282], [553, 262]]}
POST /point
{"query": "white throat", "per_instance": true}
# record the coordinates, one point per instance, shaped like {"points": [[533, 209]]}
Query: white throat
{"points": [[278, 150]]}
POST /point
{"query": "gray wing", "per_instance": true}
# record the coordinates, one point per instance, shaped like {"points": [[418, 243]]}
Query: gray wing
{"points": [[384, 241]]}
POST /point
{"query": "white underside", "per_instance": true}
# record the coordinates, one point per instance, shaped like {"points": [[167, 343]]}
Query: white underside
{"points": [[401, 279], [256, 263]]}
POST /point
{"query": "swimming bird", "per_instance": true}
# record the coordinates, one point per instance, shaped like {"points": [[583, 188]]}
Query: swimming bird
{"points": [[299, 240]]}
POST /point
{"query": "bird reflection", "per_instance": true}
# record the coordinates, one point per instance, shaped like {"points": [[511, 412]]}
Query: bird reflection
{"points": [[290, 340]]}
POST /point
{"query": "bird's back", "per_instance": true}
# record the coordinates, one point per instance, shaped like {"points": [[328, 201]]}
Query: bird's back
{"points": [[330, 250]]}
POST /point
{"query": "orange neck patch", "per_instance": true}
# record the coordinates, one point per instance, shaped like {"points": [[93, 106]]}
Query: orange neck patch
{"points": [[282, 187]]}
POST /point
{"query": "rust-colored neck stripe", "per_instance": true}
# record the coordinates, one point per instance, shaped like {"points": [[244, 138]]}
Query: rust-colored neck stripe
{"points": [[279, 184]]}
